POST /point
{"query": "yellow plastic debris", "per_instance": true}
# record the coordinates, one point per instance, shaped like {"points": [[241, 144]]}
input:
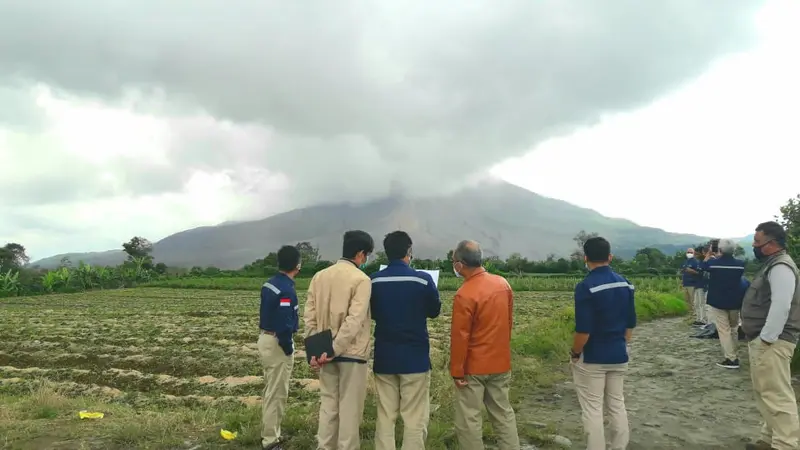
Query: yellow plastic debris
{"points": [[90, 415], [228, 435]]}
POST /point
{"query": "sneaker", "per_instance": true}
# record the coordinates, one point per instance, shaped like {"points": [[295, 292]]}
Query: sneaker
{"points": [[728, 364], [697, 323]]}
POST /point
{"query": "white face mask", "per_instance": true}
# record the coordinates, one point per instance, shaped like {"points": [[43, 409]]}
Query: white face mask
{"points": [[690, 255], [456, 272]]}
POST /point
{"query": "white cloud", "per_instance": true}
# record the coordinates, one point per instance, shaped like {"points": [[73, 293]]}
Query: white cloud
{"points": [[715, 158], [153, 131]]}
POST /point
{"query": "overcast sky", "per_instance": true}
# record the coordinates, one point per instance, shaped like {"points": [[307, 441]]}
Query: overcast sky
{"points": [[149, 117]]}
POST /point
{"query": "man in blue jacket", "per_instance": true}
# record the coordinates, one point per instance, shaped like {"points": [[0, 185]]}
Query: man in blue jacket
{"points": [[724, 274], [690, 277], [402, 300], [605, 316], [278, 322]]}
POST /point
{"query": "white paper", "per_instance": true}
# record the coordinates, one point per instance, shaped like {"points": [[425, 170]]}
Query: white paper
{"points": [[433, 273]]}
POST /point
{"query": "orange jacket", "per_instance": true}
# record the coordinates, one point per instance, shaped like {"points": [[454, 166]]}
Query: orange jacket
{"points": [[480, 330]]}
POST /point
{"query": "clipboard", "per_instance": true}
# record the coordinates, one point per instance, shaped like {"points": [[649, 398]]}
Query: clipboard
{"points": [[319, 343]]}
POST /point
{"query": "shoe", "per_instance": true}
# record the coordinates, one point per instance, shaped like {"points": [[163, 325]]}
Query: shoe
{"points": [[728, 364], [279, 445], [760, 445], [697, 323]]}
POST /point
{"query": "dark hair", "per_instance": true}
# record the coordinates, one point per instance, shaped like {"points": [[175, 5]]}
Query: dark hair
{"points": [[288, 258], [700, 249], [597, 249], [396, 244], [774, 231], [355, 241]]}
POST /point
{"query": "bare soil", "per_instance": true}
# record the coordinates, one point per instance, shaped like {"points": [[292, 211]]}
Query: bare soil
{"points": [[675, 394]]}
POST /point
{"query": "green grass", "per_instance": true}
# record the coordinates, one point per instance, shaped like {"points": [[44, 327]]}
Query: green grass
{"points": [[446, 283], [146, 357]]}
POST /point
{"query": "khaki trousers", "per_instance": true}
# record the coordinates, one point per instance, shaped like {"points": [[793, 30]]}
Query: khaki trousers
{"points": [[700, 311], [277, 373], [688, 296], [490, 391], [406, 395], [342, 391], [598, 384], [775, 398], [727, 323]]}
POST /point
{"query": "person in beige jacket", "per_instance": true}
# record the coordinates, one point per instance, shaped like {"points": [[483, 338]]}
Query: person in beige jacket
{"points": [[339, 300]]}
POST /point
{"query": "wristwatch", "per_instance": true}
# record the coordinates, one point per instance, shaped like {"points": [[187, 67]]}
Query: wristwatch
{"points": [[574, 355]]}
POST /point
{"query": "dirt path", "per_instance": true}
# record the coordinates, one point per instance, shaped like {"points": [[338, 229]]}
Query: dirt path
{"points": [[676, 396]]}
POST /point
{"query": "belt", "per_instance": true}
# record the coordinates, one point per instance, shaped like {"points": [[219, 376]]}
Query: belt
{"points": [[271, 333]]}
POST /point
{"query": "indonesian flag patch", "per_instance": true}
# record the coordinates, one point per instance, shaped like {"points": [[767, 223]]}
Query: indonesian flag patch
{"points": [[286, 302]]}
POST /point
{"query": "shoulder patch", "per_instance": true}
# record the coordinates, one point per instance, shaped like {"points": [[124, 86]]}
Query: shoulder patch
{"points": [[286, 301]]}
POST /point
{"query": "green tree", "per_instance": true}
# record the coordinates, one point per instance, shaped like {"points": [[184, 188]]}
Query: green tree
{"points": [[13, 256], [790, 219], [581, 239], [656, 259], [308, 253], [138, 248], [516, 263]]}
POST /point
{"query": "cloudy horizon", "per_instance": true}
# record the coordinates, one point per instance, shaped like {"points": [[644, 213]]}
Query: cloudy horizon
{"points": [[148, 118]]}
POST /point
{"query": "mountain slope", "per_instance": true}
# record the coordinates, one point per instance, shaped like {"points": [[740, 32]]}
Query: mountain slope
{"points": [[503, 217]]}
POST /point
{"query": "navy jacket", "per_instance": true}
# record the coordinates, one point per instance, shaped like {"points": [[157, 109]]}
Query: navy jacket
{"points": [[279, 310], [724, 276], [402, 300], [690, 280], [604, 309]]}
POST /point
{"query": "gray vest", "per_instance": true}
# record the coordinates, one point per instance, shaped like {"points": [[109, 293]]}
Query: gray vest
{"points": [[758, 299]]}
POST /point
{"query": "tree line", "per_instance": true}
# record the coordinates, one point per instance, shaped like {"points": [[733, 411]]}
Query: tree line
{"points": [[17, 278]]}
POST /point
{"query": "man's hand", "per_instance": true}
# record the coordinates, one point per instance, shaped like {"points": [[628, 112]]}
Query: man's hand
{"points": [[316, 364], [460, 382]]}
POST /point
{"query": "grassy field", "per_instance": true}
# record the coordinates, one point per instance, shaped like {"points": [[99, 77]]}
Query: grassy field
{"points": [[446, 283], [171, 367]]}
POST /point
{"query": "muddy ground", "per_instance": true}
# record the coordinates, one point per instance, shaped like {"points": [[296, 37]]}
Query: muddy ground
{"points": [[675, 394]]}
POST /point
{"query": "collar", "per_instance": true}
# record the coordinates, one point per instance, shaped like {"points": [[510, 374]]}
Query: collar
{"points": [[397, 262], [345, 261], [601, 269], [775, 255], [478, 271], [285, 277]]}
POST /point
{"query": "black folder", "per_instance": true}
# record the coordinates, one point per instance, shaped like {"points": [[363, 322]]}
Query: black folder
{"points": [[319, 343]]}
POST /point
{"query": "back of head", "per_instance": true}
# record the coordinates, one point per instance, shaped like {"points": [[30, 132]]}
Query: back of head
{"points": [[288, 258], [355, 241], [597, 250], [469, 254], [727, 247], [397, 245]]}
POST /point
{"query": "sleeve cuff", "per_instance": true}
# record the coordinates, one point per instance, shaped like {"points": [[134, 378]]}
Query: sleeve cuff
{"points": [[769, 339]]}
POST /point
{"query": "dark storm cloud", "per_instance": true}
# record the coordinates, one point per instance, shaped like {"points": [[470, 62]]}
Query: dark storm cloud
{"points": [[351, 98]]}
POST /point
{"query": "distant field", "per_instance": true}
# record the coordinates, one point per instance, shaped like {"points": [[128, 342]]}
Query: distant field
{"points": [[523, 283], [171, 367]]}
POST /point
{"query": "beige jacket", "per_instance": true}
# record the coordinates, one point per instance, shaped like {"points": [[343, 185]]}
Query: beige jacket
{"points": [[338, 299]]}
